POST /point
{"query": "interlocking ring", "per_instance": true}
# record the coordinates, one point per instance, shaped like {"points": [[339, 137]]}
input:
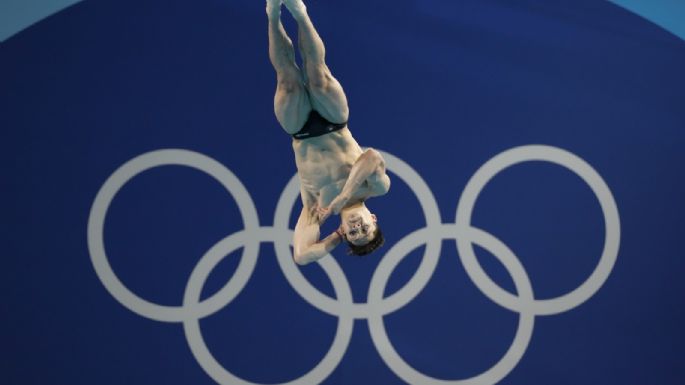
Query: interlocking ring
{"points": [[342, 306]]}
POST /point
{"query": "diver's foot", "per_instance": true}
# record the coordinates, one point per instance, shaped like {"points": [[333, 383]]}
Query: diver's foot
{"points": [[296, 8], [273, 7]]}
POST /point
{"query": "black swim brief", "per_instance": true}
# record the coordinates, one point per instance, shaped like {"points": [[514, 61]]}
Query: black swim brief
{"points": [[317, 125]]}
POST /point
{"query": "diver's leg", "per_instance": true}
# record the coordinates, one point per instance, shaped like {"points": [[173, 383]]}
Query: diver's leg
{"points": [[325, 92], [291, 102]]}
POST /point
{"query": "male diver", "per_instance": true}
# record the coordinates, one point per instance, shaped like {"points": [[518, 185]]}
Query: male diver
{"points": [[336, 175]]}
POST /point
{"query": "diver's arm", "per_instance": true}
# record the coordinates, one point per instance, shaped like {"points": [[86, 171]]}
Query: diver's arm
{"points": [[367, 172], [307, 246]]}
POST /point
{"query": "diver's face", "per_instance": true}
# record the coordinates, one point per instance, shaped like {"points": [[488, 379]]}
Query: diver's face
{"points": [[359, 225]]}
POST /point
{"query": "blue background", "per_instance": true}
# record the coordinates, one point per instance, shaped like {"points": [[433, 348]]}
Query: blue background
{"points": [[443, 85]]}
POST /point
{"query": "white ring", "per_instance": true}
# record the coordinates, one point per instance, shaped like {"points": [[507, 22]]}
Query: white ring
{"points": [[204, 357], [523, 287], [611, 224], [111, 187]]}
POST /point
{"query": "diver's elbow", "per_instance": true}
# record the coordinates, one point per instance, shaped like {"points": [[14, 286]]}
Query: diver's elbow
{"points": [[385, 186], [301, 259], [374, 155]]}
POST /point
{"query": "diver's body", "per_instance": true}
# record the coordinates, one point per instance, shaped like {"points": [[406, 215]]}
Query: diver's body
{"points": [[336, 175]]}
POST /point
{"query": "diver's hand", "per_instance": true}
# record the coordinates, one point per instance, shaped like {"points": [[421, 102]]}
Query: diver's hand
{"points": [[323, 213], [333, 208]]}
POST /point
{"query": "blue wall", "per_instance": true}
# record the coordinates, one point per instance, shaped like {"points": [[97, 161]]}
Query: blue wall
{"points": [[119, 274]]}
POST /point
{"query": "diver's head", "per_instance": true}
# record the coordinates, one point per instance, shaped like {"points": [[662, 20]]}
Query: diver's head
{"points": [[361, 229]]}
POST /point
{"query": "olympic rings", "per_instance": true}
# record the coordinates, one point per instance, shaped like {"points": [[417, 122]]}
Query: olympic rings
{"points": [[342, 306]]}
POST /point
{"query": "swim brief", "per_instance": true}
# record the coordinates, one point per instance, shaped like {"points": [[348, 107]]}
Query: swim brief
{"points": [[317, 125]]}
